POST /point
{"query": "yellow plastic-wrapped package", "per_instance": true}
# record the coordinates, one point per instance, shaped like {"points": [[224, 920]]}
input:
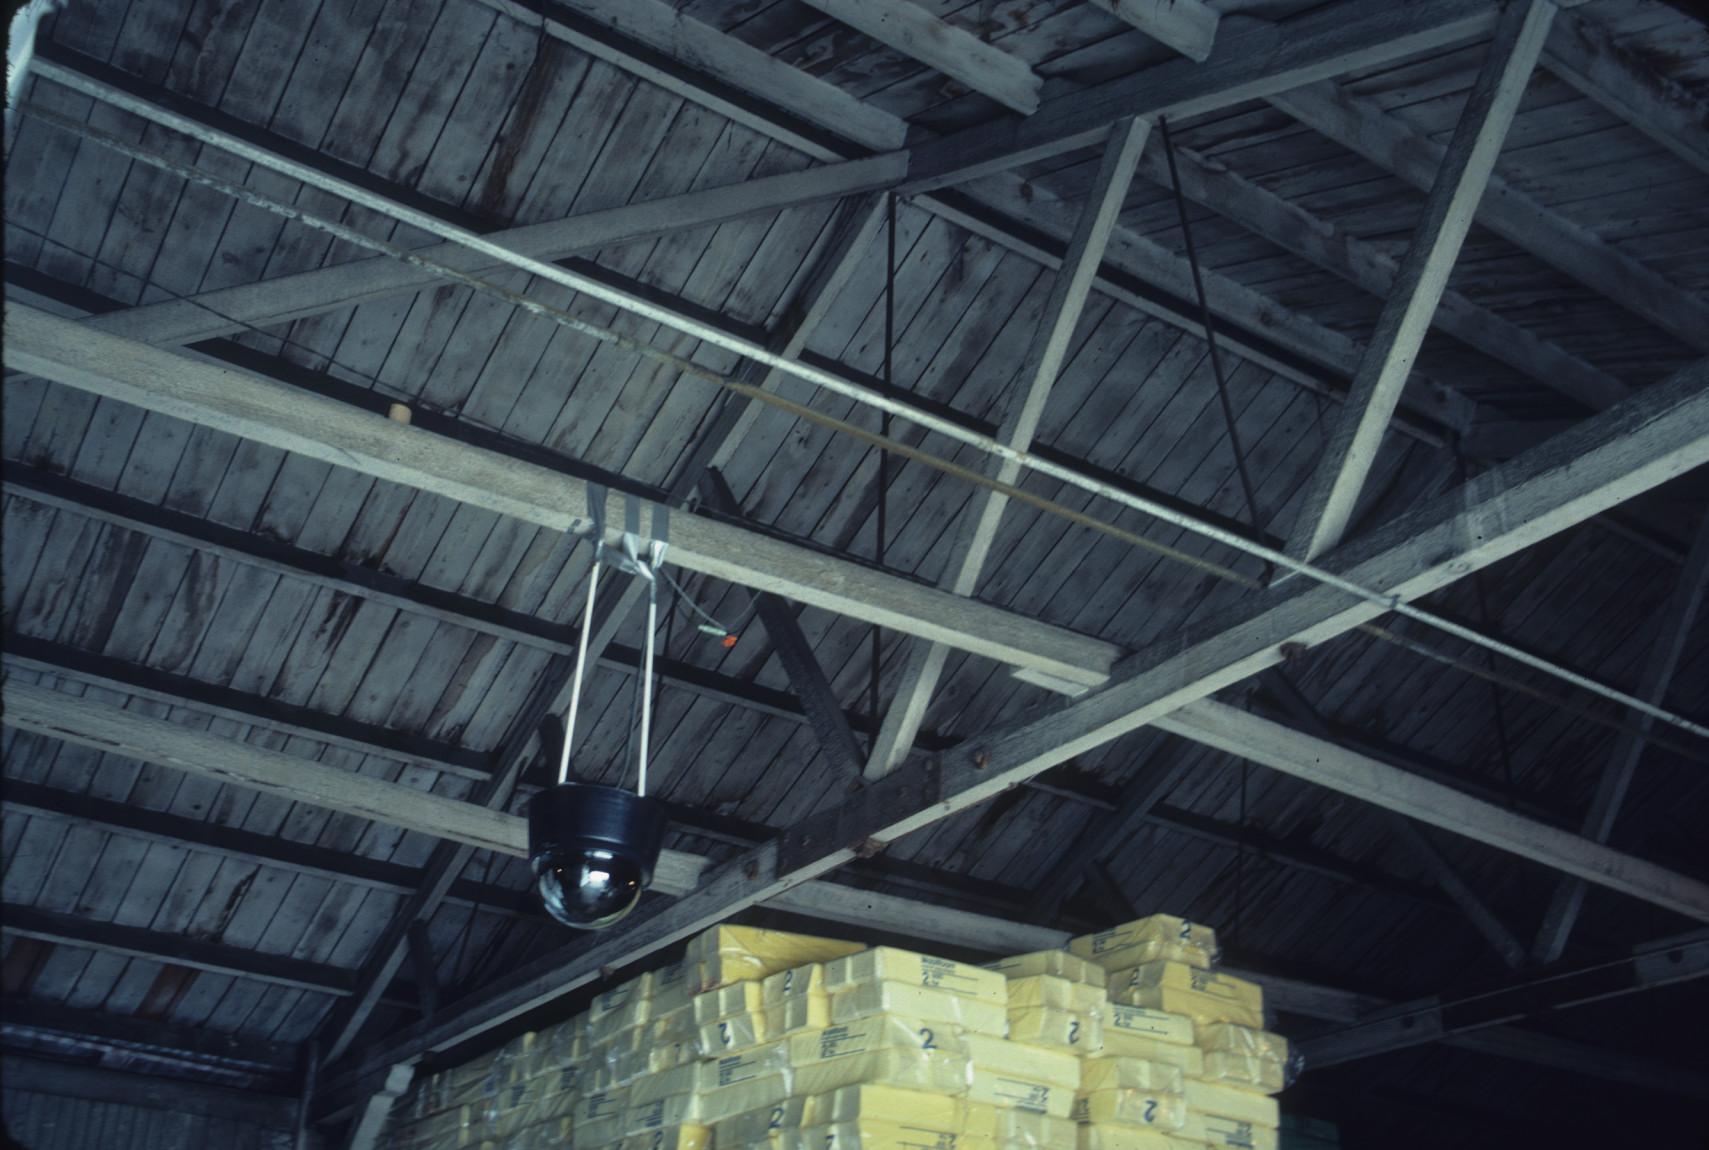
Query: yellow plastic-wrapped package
{"points": [[1155, 938], [670, 989], [890, 964], [1131, 1074], [1115, 1137], [761, 1061], [886, 1103], [1206, 996], [1232, 1102], [864, 999], [1246, 1071], [1056, 963], [726, 954], [875, 1135], [798, 1012], [684, 1137], [674, 1110], [1050, 991], [930, 1070], [1231, 1133], [750, 1126], [1005, 1089], [1125, 1018], [1040, 1064], [1079, 1032], [797, 980], [737, 1032], [1228, 1038], [1027, 1130], [758, 1093], [684, 1079], [737, 998], [1133, 1108]]}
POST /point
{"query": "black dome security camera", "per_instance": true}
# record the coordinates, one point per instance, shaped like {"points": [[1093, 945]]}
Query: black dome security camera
{"points": [[593, 850]]}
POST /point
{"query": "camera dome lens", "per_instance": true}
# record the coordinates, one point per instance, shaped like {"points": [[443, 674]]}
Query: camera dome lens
{"points": [[588, 889]]}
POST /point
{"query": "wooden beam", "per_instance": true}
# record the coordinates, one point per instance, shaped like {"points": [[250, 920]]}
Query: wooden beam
{"points": [[1446, 874], [806, 677], [1585, 56], [1392, 145], [956, 52], [243, 405], [1294, 229], [1667, 962], [98, 1084], [1188, 26], [1672, 630], [1333, 491], [1314, 760], [370, 1120], [976, 528], [27, 1022], [181, 950], [631, 33], [40, 801], [1156, 781], [227, 311], [1257, 60]]}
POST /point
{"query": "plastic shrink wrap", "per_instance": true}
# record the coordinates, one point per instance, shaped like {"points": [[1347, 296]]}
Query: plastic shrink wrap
{"points": [[1159, 937]]}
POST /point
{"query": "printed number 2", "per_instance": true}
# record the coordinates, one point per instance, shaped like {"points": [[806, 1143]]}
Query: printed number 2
{"points": [[1073, 1031], [777, 1113], [788, 980], [724, 1033], [830, 1141], [1150, 1111], [927, 1039]]}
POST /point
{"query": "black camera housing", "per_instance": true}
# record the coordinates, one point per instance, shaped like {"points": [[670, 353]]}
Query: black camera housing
{"points": [[593, 850]]}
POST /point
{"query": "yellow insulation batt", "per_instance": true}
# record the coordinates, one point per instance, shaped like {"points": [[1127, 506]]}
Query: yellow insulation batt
{"points": [[859, 1000], [888, 964], [1045, 990], [1080, 1033], [1055, 963], [1131, 1074], [685, 1137], [1096, 1137], [727, 954], [758, 1039], [1133, 1108], [1232, 1102], [1156, 938]]}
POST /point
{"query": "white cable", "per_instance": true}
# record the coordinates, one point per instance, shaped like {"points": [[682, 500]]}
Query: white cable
{"points": [[576, 680]]}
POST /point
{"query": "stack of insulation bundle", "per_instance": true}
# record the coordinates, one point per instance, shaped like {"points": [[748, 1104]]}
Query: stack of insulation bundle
{"points": [[763, 1040], [1186, 1059]]}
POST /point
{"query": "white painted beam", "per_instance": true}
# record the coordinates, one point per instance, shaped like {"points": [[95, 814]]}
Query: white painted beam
{"points": [[1333, 491], [280, 416], [1653, 437], [1258, 60], [1586, 57], [956, 52], [1672, 630], [977, 527], [530, 247], [1188, 26], [1392, 145], [1323, 763], [657, 25]]}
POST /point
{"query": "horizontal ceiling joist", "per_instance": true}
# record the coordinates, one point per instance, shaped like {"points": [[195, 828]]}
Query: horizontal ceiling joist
{"points": [[176, 949], [274, 1112], [246, 406], [37, 1024]]}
